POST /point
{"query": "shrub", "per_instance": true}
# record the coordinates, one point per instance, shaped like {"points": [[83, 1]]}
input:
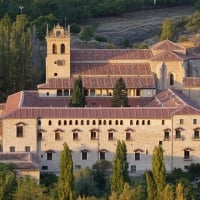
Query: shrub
{"points": [[100, 38], [75, 28]]}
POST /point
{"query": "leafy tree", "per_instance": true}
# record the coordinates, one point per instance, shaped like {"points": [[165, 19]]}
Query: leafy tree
{"points": [[151, 188], [75, 28], [168, 29], [193, 24], [29, 189], [119, 174], [66, 180], [87, 33], [78, 95], [7, 182], [120, 97], [127, 193], [158, 169]]}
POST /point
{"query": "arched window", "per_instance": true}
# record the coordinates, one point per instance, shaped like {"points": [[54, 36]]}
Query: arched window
{"points": [[171, 79], [54, 49], [62, 48], [50, 123], [59, 122]]}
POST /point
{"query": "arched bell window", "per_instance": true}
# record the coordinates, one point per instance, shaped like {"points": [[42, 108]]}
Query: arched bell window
{"points": [[171, 79]]}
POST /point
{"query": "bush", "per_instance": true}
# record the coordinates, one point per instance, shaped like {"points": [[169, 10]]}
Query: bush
{"points": [[111, 46], [100, 38], [75, 28]]}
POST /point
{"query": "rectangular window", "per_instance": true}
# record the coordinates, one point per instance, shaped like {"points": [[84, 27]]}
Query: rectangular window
{"points": [[93, 135], [186, 154], [137, 156], [19, 131], [75, 136], [166, 135], [196, 134], [110, 136], [181, 121], [133, 168], [102, 155], [84, 155], [49, 156], [12, 149], [57, 136], [44, 167], [27, 148], [194, 121], [128, 136], [60, 62], [178, 134]]}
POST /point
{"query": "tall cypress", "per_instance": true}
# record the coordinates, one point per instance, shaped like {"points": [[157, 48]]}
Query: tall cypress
{"points": [[78, 95], [120, 97], [151, 190], [65, 181], [119, 174]]}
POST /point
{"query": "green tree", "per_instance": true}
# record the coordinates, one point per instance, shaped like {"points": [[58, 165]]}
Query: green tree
{"points": [[127, 193], [66, 180], [29, 189], [78, 95], [119, 174], [87, 33], [120, 97], [180, 192], [7, 182], [193, 24], [151, 188], [168, 193], [168, 29]]}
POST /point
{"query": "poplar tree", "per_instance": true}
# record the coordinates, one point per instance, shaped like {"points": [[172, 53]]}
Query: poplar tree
{"points": [[65, 181], [78, 95], [168, 193], [120, 97], [180, 192], [151, 189], [119, 174]]}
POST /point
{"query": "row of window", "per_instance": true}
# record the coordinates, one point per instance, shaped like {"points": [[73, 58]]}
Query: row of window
{"points": [[107, 122], [26, 148]]}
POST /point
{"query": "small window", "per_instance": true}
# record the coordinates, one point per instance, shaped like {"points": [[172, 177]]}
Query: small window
{"points": [[55, 74], [88, 122], [19, 131], [143, 122], [128, 136], [54, 49], [186, 154], [82, 122], [166, 135], [60, 62], [148, 122], [66, 92], [65, 122], [57, 135], [110, 122], [75, 136], [27, 148], [49, 156], [137, 122], [110, 136], [62, 49], [47, 93], [121, 122], [196, 134], [44, 167], [59, 122], [50, 123], [137, 156], [133, 168], [131, 122], [171, 79], [70, 122], [163, 122], [59, 93], [178, 134], [102, 155], [138, 92], [100, 122], [93, 135], [104, 122], [181, 121], [116, 122], [76, 122], [84, 155], [194, 121], [12, 149], [160, 142], [93, 122]]}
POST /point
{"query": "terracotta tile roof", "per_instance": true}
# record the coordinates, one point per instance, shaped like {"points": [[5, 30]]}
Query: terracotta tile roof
{"points": [[94, 69], [168, 56], [167, 45], [100, 82], [191, 82], [110, 54]]}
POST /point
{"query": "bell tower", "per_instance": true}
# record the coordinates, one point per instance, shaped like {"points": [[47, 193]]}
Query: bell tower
{"points": [[58, 53]]}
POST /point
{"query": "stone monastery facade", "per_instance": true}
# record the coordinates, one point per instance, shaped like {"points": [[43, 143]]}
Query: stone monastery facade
{"points": [[163, 84]]}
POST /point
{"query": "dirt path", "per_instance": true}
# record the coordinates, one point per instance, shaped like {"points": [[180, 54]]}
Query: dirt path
{"points": [[137, 26]]}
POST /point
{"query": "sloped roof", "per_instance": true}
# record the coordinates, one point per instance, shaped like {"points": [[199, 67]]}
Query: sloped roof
{"points": [[167, 56], [100, 82], [111, 69], [109, 54], [167, 45]]}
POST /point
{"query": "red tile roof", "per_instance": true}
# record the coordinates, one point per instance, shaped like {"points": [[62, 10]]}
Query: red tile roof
{"points": [[167, 45], [167, 56], [100, 82], [109, 54], [111, 69], [191, 82]]}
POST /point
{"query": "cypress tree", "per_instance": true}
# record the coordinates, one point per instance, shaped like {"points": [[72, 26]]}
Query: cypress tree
{"points": [[151, 189], [65, 181], [78, 96], [168, 193], [119, 174], [120, 97], [180, 192], [158, 169]]}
